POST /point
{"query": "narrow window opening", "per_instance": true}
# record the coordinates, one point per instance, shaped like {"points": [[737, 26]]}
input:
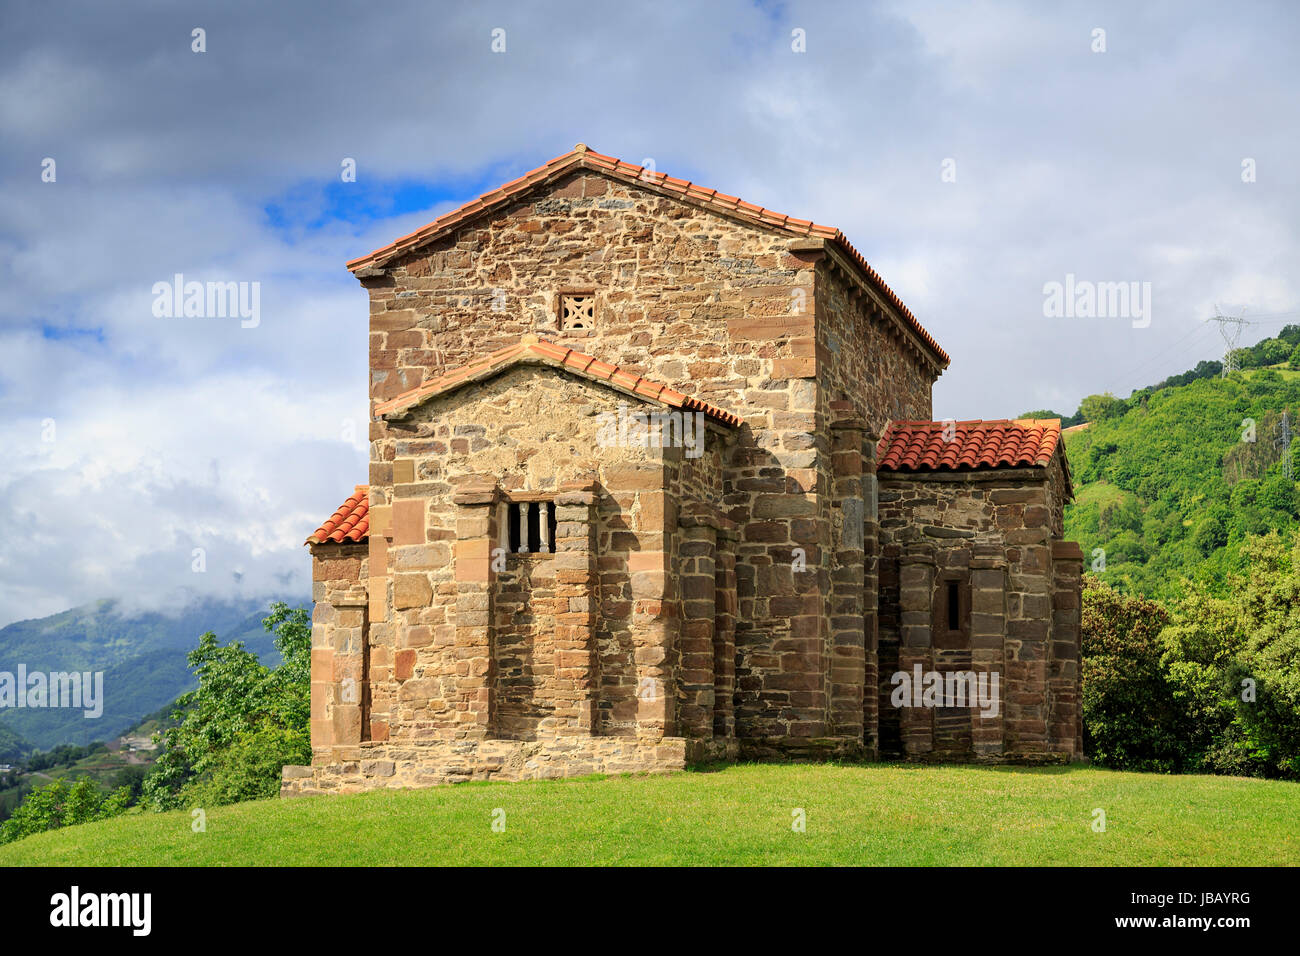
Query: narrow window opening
{"points": [[530, 527], [950, 621]]}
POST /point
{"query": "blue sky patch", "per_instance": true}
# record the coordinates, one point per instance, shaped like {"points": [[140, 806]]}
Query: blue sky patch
{"points": [[312, 205]]}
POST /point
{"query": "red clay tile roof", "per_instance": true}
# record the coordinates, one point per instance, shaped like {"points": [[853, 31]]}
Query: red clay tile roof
{"points": [[532, 350], [582, 157], [920, 446], [351, 522]]}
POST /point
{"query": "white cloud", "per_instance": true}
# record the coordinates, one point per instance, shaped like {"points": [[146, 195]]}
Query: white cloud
{"points": [[175, 434]]}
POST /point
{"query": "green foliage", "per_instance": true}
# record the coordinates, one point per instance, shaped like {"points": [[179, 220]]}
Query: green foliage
{"points": [[64, 755], [250, 767], [1185, 485], [1131, 720], [1203, 370], [1272, 351], [1210, 684], [13, 788], [1066, 420], [1268, 352], [1096, 408], [12, 747], [243, 723], [1234, 660], [62, 804], [131, 779]]}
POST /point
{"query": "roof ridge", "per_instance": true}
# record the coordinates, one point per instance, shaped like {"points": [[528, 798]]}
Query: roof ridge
{"points": [[587, 158], [942, 422]]}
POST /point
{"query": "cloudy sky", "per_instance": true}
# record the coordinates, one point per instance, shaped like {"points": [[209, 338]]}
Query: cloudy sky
{"points": [[973, 153]]}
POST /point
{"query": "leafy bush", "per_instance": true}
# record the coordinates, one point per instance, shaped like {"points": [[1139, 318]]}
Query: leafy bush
{"points": [[1131, 720], [62, 805], [243, 723], [1211, 684], [1097, 407], [1234, 660]]}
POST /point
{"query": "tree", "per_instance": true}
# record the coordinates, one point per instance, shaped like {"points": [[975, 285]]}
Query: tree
{"points": [[1097, 408], [1267, 352], [1210, 535], [243, 723], [1278, 494], [62, 805], [1235, 663], [1131, 720]]}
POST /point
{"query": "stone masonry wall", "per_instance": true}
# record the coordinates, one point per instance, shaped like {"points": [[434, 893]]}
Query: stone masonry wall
{"points": [[527, 430], [340, 668], [994, 532], [532, 669], [716, 308]]}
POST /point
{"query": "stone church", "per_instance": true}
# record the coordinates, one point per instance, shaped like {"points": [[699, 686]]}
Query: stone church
{"points": [[654, 480]]}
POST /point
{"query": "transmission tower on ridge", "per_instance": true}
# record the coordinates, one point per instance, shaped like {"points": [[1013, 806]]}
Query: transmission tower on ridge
{"points": [[1284, 440], [1230, 327]]}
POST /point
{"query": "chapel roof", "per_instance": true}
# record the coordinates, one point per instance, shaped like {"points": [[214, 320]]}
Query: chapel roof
{"points": [[970, 445], [582, 157]]}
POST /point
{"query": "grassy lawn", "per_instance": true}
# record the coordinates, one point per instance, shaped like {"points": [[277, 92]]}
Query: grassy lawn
{"points": [[877, 814]]}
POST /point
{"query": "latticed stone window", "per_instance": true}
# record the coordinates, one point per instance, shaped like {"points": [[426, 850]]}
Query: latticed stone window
{"points": [[577, 311]]}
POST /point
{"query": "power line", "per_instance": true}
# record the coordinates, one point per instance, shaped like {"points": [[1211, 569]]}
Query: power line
{"points": [[1179, 347], [1231, 361], [1272, 316]]}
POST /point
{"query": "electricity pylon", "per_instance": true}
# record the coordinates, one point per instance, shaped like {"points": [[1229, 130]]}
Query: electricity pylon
{"points": [[1284, 441], [1230, 327]]}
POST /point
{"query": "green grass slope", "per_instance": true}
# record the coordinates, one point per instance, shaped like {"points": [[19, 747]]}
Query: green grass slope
{"points": [[739, 815]]}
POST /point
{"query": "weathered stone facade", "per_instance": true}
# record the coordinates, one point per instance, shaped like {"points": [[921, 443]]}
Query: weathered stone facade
{"points": [[514, 595]]}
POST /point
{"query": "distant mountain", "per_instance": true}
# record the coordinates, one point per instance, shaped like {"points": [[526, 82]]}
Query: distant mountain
{"points": [[142, 657], [12, 747]]}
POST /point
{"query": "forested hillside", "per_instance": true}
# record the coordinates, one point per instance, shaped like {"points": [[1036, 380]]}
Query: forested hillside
{"points": [[142, 657], [1170, 481], [12, 747]]}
